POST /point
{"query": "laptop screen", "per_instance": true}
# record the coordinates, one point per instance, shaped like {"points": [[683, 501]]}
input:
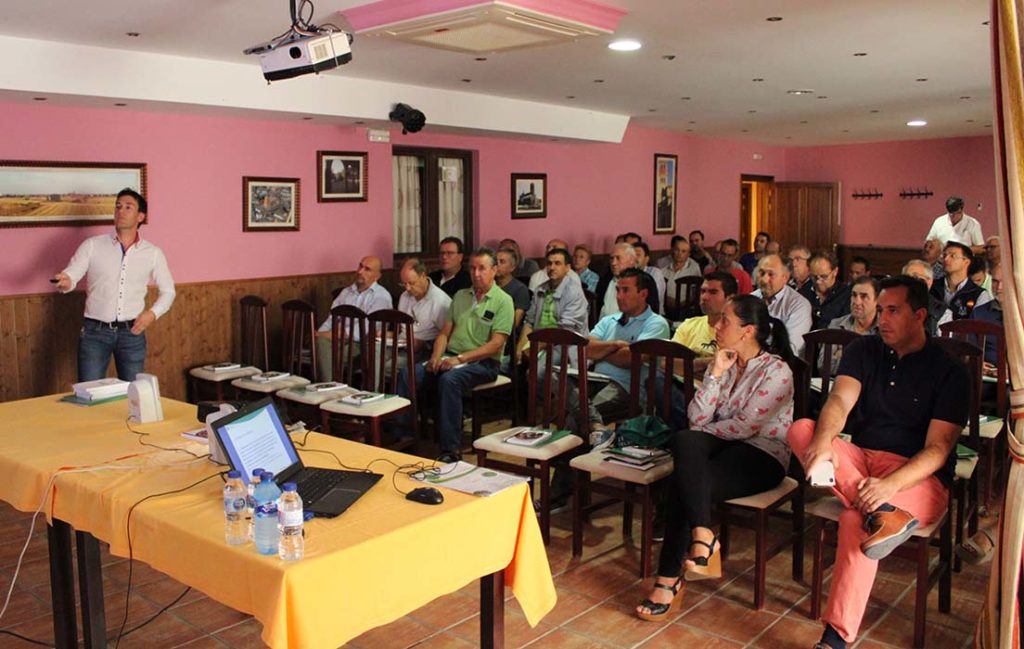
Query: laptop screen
{"points": [[255, 438]]}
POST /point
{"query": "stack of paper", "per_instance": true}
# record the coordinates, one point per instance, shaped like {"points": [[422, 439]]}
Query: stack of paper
{"points": [[636, 457], [226, 366], [267, 377], [100, 389], [528, 436], [361, 398]]}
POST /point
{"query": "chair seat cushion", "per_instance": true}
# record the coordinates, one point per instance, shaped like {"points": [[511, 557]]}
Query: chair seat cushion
{"points": [[965, 467], [594, 463], [301, 395], [766, 499], [229, 375], [495, 443], [496, 383], [377, 408], [830, 508], [268, 387]]}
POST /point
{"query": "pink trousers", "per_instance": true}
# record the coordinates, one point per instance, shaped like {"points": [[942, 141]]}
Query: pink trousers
{"points": [[854, 574]]}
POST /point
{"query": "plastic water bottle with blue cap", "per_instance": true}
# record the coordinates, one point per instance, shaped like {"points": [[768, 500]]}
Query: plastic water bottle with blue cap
{"points": [[265, 531], [290, 516], [235, 528]]}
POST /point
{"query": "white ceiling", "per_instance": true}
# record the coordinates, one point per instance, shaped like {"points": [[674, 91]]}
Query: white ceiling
{"points": [[719, 47]]}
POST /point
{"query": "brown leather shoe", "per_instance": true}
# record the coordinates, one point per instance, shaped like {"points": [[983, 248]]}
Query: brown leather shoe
{"points": [[889, 527]]}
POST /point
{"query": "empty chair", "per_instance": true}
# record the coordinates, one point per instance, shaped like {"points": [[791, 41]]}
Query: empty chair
{"points": [[253, 329]]}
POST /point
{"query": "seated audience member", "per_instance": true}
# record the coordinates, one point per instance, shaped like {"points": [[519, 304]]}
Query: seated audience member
{"points": [[991, 311], [643, 262], [364, 293], [467, 352], [978, 272], [783, 301], [681, 265], [903, 400], [581, 257], [450, 277], [666, 260], [698, 333], [426, 303], [558, 302], [541, 275], [859, 267], [799, 265], [725, 260], [773, 248], [697, 252], [622, 257], [938, 314], [957, 226], [931, 252], [956, 290], [527, 267], [508, 261], [992, 251], [749, 259], [829, 298], [736, 445], [862, 318]]}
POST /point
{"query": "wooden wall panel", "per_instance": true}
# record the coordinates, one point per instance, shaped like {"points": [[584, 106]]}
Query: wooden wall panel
{"points": [[884, 260]]}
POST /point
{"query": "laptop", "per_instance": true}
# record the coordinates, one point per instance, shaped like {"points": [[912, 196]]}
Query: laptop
{"points": [[255, 438]]}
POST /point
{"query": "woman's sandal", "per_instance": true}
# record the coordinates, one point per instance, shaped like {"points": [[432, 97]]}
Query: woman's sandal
{"points": [[709, 567], [659, 612]]}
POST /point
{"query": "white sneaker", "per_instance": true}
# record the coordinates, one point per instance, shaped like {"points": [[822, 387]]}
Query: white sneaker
{"points": [[601, 438]]}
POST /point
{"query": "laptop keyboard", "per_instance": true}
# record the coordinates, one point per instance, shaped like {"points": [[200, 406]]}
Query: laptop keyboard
{"points": [[317, 482]]}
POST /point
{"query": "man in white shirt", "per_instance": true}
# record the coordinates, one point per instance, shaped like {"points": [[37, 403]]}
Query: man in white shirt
{"points": [[682, 265], [118, 268], [957, 226], [783, 301], [426, 303], [364, 293]]}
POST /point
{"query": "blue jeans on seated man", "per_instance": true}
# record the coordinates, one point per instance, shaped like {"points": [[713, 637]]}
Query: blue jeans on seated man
{"points": [[97, 342], [449, 386]]}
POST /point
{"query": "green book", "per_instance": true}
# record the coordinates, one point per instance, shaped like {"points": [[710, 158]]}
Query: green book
{"points": [[965, 452]]}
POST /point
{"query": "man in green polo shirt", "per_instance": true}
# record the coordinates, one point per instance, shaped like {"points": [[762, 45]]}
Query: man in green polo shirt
{"points": [[468, 350]]}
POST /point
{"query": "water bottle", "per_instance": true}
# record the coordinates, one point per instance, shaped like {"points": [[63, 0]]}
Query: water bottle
{"points": [[235, 528], [255, 480], [289, 515], [265, 531]]}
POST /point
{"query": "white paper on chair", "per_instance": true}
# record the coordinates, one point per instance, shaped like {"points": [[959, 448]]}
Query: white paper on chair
{"points": [[469, 478]]}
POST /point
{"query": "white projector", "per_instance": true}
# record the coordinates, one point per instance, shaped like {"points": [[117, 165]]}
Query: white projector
{"points": [[300, 54]]}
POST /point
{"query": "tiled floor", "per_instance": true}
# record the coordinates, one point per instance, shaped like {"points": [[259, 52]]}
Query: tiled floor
{"points": [[595, 600]]}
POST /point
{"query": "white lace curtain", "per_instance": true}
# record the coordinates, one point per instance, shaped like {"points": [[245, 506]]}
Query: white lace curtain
{"points": [[405, 172], [450, 192]]}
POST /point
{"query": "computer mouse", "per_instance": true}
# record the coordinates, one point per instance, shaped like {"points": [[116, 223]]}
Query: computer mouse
{"points": [[425, 495]]}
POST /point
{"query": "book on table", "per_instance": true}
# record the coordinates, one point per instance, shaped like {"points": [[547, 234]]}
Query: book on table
{"points": [[100, 389]]}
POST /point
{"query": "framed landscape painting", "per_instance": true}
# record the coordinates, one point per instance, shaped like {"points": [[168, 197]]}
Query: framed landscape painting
{"points": [[64, 193], [342, 176], [270, 204], [665, 192]]}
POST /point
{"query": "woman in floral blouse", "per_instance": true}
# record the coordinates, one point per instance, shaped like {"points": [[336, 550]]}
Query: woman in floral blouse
{"points": [[735, 447]]}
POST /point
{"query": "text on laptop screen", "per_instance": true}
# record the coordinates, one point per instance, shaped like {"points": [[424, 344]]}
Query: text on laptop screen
{"points": [[258, 440]]}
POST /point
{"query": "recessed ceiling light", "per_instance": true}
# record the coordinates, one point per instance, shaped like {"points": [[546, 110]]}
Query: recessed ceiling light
{"points": [[789, 137], [773, 19], [970, 121], [985, 23], [625, 45], [822, 97], [803, 121], [120, 104], [480, 58], [846, 130], [757, 79], [920, 79], [860, 53], [965, 96], [132, 34], [570, 96], [598, 80], [751, 111], [652, 110], [689, 130], [743, 130], [668, 57], [685, 98], [691, 122], [39, 98], [467, 81], [917, 122], [800, 91], [873, 111]]}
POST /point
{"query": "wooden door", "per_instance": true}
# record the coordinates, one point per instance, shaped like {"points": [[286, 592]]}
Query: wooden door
{"points": [[807, 213]]}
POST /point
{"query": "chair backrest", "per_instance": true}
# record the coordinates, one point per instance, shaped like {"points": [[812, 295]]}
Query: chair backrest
{"points": [[801, 387], [254, 332], [348, 343], [558, 346], [828, 341], [984, 333], [298, 336], [645, 355], [396, 326], [593, 308], [687, 297], [971, 355]]}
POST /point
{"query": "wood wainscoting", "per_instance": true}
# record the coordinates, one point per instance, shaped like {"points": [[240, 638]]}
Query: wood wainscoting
{"points": [[884, 260]]}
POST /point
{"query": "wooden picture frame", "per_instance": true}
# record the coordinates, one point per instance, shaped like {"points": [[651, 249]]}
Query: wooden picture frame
{"points": [[529, 196], [342, 176], [270, 204], [666, 168], [46, 193]]}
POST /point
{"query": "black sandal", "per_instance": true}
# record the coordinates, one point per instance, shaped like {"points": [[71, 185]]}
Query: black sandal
{"points": [[659, 612], [709, 567]]}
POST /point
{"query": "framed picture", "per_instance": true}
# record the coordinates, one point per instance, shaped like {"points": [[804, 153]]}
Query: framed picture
{"points": [[270, 204], [64, 193], [529, 196], [665, 192], [342, 176]]}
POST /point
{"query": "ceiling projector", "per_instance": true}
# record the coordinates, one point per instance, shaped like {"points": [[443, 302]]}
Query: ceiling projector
{"points": [[297, 54]]}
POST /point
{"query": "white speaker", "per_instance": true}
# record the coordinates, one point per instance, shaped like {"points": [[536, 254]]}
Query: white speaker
{"points": [[144, 399], [216, 452]]}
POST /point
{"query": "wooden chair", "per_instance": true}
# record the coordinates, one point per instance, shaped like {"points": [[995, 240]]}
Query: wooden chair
{"points": [[687, 298], [554, 342], [757, 508], [298, 339], [383, 325], [348, 344], [253, 329], [593, 308], [493, 392], [637, 487], [965, 479], [993, 433]]}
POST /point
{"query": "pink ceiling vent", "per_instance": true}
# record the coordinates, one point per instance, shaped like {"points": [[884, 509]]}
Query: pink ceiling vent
{"points": [[476, 27]]}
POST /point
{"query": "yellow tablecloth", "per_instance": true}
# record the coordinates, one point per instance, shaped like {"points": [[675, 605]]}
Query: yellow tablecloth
{"points": [[383, 558]]}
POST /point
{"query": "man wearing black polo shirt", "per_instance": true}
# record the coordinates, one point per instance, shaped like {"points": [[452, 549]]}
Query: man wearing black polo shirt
{"points": [[903, 400]]}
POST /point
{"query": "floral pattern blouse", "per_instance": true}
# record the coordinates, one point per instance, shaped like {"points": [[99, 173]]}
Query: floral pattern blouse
{"points": [[756, 409]]}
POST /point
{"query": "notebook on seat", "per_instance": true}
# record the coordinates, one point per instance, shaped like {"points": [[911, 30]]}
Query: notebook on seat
{"points": [[255, 438]]}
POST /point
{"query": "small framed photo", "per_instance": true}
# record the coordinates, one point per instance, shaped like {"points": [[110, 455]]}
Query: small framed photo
{"points": [[665, 167], [529, 196], [342, 176], [270, 204]]}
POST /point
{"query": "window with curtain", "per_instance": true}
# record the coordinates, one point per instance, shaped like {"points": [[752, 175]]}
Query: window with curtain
{"points": [[431, 198]]}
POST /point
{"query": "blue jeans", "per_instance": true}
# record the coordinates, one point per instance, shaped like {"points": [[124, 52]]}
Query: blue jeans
{"points": [[450, 386], [97, 342]]}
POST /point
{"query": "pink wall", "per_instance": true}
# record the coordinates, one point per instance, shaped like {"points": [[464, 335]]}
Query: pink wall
{"points": [[195, 166], [963, 166]]}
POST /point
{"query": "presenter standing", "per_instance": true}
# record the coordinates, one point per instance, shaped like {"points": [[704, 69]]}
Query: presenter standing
{"points": [[118, 267]]}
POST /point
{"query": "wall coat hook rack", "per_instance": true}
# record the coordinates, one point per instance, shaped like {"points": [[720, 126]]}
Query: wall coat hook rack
{"points": [[916, 193]]}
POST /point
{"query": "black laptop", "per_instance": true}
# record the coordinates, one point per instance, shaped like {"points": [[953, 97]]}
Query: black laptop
{"points": [[255, 438]]}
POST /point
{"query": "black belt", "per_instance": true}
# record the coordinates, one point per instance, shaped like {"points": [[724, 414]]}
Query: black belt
{"points": [[117, 324]]}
